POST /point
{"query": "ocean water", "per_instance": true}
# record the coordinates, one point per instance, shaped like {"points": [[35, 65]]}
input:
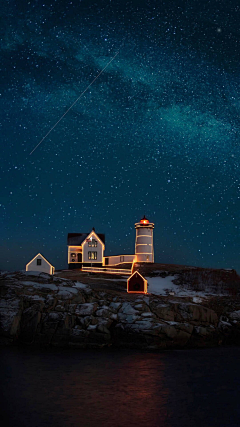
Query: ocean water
{"points": [[55, 387]]}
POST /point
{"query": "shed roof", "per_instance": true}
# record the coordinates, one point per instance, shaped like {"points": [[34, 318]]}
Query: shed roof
{"points": [[39, 255]]}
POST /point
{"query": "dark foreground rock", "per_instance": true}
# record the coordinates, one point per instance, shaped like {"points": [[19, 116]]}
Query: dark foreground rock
{"points": [[50, 311]]}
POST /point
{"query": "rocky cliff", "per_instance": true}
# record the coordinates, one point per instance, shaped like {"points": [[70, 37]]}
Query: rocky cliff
{"points": [[42, 310]]}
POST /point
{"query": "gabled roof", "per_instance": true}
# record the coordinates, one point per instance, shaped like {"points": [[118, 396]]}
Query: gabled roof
{"points": [[40, 256], [137, 274], [76, 239], [90, 236]]}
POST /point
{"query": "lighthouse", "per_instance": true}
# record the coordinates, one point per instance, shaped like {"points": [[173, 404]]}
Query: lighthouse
{"points": [[144, 241]]}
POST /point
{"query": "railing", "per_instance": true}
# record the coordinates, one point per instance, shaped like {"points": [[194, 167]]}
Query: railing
{"points": [[122, 271]]}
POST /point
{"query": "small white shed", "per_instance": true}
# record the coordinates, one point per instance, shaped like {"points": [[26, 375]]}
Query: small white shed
{"points": [[39, 263]]}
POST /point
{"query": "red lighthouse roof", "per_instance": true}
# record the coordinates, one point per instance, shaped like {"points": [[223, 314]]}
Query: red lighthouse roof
{"points": [[144, 220]]}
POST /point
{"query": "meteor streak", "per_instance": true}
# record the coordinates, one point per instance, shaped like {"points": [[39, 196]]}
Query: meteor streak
{"points": [[80, 96]]}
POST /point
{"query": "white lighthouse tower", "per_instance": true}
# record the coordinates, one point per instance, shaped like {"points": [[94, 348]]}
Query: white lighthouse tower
{"points": [[144, 241]]}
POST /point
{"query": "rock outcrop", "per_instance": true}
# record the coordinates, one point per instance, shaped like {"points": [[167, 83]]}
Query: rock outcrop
{"points": [[50, 311]]}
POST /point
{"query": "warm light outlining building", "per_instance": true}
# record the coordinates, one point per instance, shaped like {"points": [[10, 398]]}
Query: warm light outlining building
{"points": [[136, 284], [41, 264], [87, 249], [144, 241]]}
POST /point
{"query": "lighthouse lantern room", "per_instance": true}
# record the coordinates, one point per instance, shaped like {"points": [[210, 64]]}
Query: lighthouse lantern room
{"points": [[144, 241]]}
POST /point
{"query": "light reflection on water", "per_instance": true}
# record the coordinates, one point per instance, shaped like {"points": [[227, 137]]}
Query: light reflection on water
{"points": [[120, 388]]}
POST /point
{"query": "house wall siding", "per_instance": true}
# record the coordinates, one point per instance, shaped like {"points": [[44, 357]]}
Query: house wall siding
{"points": [[98, 249], [44, 267], [87, 249], [74, 249]]}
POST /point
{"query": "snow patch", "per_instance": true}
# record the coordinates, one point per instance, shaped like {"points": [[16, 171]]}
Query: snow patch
{"points": [[147, 314], [161, 285], [36, 273], [92, 327], [165, 286], [80, 285], [197, 300], [86, 309], [235, 315], [142, 324], [66, 292], [39, 285], [127, 308], [34, 298]]}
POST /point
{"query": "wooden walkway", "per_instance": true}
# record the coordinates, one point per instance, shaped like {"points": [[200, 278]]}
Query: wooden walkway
{"points": [[105, 270]]}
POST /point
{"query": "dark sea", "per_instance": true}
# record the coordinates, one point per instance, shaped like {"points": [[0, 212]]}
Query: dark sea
{"points": [[119, 388]]}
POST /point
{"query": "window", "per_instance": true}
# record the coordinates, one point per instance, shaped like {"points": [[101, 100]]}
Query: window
{"points": [[92, 255], [73, 255], [39, 261], [122, 258], [92, 243]]}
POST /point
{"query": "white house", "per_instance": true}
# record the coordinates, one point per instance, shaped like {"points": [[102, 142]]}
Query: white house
{"points": [[85, 249], [39, 263]]}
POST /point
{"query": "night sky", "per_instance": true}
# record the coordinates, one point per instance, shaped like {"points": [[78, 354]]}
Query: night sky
{"points": [[158, 133]]}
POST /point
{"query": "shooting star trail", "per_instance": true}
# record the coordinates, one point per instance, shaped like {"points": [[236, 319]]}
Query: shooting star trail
{"points": [[80, 96]]}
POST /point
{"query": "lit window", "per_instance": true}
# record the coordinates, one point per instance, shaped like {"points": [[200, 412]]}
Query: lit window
{"points": [[92, 243], [122, 258], [73, 255], [92, 255], [39, 261]]}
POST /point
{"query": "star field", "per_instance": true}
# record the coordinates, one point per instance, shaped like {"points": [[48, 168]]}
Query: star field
{"points": [[156, 134]]}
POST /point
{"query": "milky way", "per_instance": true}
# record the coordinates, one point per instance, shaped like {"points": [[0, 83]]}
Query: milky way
{"points": [[156, 134]]}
